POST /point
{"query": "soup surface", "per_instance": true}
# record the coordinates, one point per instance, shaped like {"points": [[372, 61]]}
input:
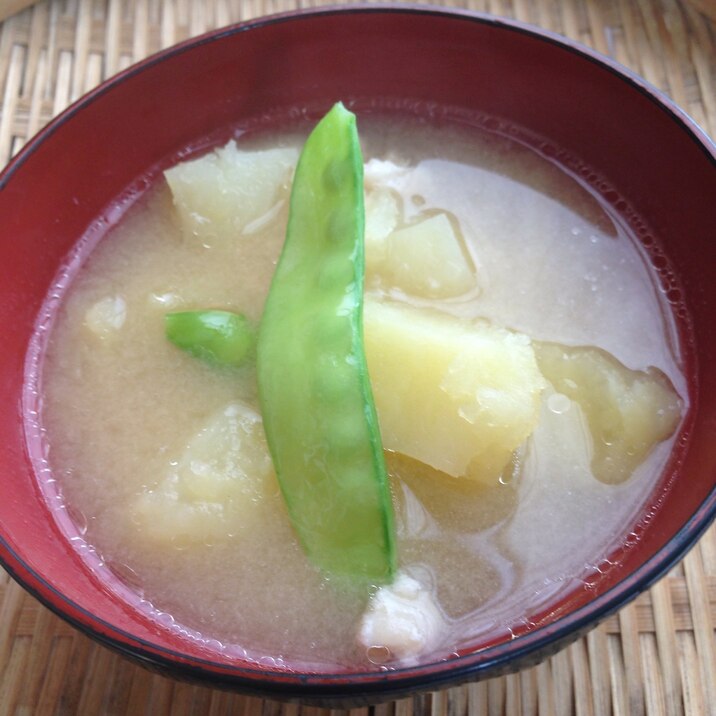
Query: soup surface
{"points": [[128, 416]]}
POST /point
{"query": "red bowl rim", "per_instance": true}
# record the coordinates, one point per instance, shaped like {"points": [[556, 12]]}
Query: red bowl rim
{"points": [[500, 658]]}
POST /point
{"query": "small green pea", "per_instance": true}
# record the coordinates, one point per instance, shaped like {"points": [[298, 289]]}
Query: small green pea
{"points": [[221, 337]]}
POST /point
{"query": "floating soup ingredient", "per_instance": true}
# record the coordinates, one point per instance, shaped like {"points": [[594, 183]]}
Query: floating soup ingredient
{"points": [[402, 621], [458, 395], [222, 337], [212, 490], [230, 206], [106, 317], [426, 259], [628, 411], [314, 389]]}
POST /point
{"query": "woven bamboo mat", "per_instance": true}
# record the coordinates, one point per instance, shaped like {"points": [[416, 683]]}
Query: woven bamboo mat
{"points": [[657, 656]]}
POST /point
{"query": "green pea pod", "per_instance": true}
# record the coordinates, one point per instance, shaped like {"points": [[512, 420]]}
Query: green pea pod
{"points": [[315, 395], [221, 337]]}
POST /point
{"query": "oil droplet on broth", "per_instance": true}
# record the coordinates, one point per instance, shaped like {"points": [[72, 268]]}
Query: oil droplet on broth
{"points": [[512, 469], [379, 654]]}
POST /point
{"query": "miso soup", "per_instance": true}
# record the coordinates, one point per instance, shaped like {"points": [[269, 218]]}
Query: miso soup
{"points": [[525, 368]]}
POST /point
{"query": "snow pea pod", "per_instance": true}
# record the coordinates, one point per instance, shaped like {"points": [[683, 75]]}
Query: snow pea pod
{"points": [[220, 337], [315, 394]]}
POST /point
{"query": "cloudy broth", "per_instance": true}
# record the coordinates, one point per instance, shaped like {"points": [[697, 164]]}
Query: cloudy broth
{"points": [[551, 261]]}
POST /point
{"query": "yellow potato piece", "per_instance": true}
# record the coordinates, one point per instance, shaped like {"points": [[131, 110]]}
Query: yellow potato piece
{"points": [[228, 458], [628, 411], [229, 192], [458, 395], [427, 259], [382, 214], [214, 489]]}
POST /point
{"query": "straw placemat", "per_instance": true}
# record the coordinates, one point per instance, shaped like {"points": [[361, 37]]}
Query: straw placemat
{"points": [[657, 656]]}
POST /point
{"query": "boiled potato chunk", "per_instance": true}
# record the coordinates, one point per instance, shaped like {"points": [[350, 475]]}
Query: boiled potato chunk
{"points": [[628, 411], [212, 491], [458, 395], [382, 214], [427, 259], [230, 192], [226, 459]]}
